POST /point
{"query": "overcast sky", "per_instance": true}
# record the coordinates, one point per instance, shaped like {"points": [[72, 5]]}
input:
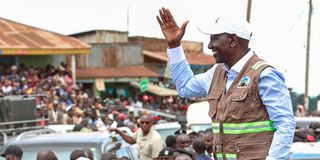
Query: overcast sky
{"points": [[279, 26]]}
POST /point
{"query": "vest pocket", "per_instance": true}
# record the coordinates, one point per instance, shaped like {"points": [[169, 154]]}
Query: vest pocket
{"points": [[252, 150], [240, 107], [239, 96], [213, 101]]}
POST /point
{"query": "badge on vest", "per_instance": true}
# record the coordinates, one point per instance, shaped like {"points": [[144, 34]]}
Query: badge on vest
{"points": [[244, 82]]}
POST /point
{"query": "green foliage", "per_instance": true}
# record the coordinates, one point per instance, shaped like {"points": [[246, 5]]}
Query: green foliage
{"points": [[297, 98]]}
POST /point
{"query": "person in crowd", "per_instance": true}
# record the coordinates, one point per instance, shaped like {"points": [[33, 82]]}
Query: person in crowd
{"points": [[88, 153], [148, 140], [200, 147], [137, 105], [12, 152], [183, 157], [300, 111], [46, 154], [55, 114], [201, 133], [7, 87], [182, 152], [208, 139], [243, 90], [192, 135], [193, 153], [314, 125], [108, 156], [129, 119], [94, 121], [180, 131], [166, 154], [171, 141], [78, 153], [183, 141], [14, 76], [120, 119]]}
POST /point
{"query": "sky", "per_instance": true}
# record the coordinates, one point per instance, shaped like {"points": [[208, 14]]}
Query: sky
{"points": [[279, 26]]}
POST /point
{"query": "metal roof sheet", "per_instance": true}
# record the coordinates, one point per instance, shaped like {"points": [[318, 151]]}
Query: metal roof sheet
{"points": [[194, 58], [118, 72], [21, 39]]}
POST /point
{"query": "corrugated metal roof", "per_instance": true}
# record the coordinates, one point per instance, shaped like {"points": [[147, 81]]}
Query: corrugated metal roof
{"points": [[21, 39], [97, 30], [118, 72], [192, 57]]}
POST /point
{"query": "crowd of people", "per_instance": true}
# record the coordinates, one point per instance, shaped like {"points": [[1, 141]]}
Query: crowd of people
{"points": [[188, 146], [62, 102], [197, 145], [183, 145], [310, 133]]}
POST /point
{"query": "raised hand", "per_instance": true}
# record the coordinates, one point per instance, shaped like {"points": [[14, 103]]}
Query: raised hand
{"points": [[172, 33]]}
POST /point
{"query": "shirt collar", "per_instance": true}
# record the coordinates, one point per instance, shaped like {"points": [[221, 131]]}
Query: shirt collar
{"points": [[148, 135], [239, 65]]}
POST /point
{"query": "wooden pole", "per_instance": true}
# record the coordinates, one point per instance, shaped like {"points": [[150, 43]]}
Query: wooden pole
{"points": [[249, 10], [73, 68], [306, 89]]}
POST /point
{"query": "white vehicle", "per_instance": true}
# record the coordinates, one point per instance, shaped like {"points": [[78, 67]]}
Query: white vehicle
{"points": [[63, 144], [197, 116], [305, 151], [304, 122], [61, 128], [167, 128]]}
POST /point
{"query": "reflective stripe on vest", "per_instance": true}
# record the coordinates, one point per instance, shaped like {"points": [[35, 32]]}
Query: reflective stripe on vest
{"points": [[243, 128], [219, 156], [259, 64], [216, 127]]}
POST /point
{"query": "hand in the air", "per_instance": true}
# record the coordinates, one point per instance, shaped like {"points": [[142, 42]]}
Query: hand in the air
{"points": [[172, 33]]}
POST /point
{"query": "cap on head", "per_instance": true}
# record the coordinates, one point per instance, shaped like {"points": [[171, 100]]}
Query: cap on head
{"points": [[180, 131], [14, 67], [227, 24], [166, 152], [191, 132], [13, 150]]}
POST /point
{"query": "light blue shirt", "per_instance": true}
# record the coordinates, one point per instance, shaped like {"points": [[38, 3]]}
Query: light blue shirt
{"points": [[273, 93]]}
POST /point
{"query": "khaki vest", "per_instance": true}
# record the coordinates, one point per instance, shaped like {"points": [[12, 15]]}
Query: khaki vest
{"points": [[240, 123]]}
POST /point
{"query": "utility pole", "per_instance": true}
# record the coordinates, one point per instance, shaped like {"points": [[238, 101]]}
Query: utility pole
{"points": [[249, 10], [128, 16], [306, 94]]}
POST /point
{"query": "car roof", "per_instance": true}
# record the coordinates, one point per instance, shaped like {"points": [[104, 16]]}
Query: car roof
{"points": [[61, 127], [63, 138], [167, 125], [306, 121], [98, 141]]}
